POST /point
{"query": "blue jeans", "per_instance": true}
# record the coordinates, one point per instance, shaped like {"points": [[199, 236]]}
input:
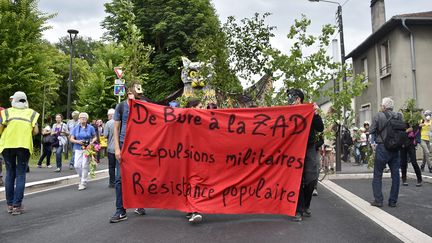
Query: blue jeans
{"points": [[118, 188], [72, 161], [59, 151], [16, 164], [383, 157]]}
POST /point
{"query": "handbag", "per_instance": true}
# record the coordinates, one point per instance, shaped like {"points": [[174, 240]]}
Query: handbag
{"points": [[55, 141]]}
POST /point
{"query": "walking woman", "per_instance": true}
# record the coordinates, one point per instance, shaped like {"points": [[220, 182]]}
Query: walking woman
{"points": [[409, 153], [61, 131], [82, 135], [46, 144]]}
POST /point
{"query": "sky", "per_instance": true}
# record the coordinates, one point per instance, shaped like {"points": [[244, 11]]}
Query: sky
{"points": [[86, 16]]}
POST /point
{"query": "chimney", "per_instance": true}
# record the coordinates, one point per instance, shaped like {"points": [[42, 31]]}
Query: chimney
{"points": [[377, 14]]}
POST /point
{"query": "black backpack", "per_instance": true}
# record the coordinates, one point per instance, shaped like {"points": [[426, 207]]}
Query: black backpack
{"points": [[346, 138], [396, 133]]}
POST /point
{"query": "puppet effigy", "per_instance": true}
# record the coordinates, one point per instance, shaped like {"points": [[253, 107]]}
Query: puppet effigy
{"points": [[196, 77]]}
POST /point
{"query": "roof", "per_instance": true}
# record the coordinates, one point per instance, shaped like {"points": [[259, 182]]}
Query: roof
{"points": [[421, 18]]}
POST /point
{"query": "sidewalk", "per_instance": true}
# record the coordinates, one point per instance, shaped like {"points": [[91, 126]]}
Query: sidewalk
{"points": [[39, 174], [40, 179]]}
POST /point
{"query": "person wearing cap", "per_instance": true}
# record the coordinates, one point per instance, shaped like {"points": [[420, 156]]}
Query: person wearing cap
{"points": [[81, 136], [134, 91], [71, 124], [109, 134], [18, 125], [46, 147], [425, 140], [311, 161]]}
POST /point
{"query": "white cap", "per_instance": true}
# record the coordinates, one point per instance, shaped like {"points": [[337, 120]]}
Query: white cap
{"points": [[19, 100]]}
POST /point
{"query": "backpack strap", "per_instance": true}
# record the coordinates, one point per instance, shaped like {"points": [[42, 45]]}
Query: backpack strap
{"points": [[389, 117]]}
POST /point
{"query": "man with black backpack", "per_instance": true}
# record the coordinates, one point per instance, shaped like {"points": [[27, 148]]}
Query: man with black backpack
{"points": [[389, 130]]}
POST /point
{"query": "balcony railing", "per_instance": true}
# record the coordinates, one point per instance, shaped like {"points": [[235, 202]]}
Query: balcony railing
{"points": [[384, 71]]}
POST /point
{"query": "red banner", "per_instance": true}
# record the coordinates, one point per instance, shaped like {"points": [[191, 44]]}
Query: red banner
{"points": [[229, 161]]}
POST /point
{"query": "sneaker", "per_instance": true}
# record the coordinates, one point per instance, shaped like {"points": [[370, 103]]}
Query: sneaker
{"points": [[376, 204], [419, 184], [71, 167], [307, 212], [81, 187], [57, 170], [392, 204], [140, 211], [117, 217], [315, 192], [189, 215], [17, 211], [196, 218], [9, 209], [39, 166], [297, 218], [49, 166], [405, 183]]}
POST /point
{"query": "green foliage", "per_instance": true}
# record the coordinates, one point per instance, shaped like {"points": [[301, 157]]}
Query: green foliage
{"points": [[25, 59], [412, 115], [174, 28], [83, 47], [136, 54], [247, 44], [306, 72], [96, 94]]}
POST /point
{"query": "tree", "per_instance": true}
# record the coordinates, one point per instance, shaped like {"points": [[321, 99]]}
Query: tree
{"points": [[174, 28], [83, 47], [96, 93], [247, 44], [24, 58]]}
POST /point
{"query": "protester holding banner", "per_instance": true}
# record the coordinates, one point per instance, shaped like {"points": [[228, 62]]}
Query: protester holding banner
{"points": [[195, 217], [311, 161], [120, 119]]}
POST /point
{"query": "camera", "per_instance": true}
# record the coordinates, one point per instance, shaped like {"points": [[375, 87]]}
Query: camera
{"points": [[86, 143]]}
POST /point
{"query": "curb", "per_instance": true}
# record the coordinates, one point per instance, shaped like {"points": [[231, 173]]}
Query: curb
{"points": [[411, 175], [52, 183]]}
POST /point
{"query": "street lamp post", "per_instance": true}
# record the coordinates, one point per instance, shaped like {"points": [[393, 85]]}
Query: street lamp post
{"points": [[72, 36], [339, 86]]}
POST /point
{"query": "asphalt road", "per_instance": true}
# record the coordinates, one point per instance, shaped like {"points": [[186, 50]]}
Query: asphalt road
{"points": [[67, 215], [414, 204]]}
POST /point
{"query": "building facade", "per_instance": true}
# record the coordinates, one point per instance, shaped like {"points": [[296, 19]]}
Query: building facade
{"points": [[396, 61]]}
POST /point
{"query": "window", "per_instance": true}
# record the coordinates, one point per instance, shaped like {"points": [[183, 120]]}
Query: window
{"points": [[365, 113], [385, 59], [365, 70]]}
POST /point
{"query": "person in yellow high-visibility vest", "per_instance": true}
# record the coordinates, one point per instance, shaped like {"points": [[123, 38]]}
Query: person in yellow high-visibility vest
{"points": [[17, 126]]}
